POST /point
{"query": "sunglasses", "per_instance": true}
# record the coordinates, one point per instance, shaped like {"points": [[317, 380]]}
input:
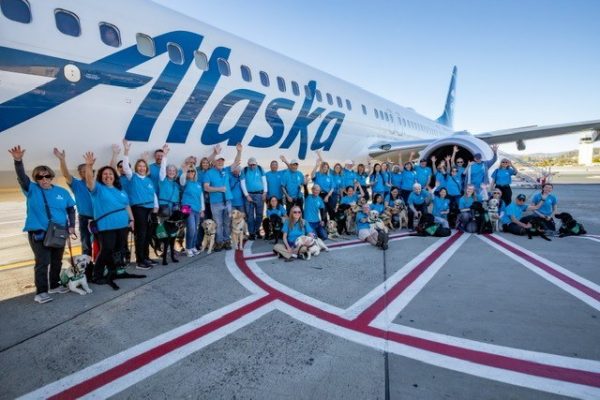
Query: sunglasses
{"points": [[40, 177], [191, 171], [296, 212]]}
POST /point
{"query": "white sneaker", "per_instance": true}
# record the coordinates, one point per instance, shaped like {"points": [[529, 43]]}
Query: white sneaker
{"points": [[59, 289], [190, 253], [195, 251], [42, 298]]}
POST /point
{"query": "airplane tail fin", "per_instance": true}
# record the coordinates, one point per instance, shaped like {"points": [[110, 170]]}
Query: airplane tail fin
{"points": [[447, 117]]}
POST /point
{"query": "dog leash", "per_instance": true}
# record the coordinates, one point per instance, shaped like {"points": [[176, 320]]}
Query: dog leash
{"points": [[71, 250]]}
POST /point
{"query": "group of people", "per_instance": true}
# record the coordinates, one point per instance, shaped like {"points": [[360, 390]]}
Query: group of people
{"points": [[119, 198]]}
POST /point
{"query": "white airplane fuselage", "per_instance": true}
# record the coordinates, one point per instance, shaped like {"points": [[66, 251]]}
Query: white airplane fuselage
{"points": [[80, 94]]}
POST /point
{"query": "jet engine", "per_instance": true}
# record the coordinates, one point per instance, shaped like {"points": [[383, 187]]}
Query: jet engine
{"points": [[468, 146]]}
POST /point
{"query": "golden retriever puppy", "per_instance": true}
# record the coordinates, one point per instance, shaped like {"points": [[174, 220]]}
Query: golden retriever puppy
{"points": [[239, 228], [210, 230]]}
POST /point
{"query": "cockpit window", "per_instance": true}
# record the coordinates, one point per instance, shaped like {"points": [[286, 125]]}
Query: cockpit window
{"points": [[67, 22], [16, 10], [110, 34]]}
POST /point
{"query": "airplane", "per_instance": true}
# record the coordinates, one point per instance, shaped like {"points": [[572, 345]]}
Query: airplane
{"points": [[84, 75]]}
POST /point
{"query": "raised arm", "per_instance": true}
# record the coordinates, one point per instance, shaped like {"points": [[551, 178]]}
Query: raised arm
{"points": [[162, 173], [90, 182], [238, 156], [453, 158], [215, 152], [284, 160], [63, 165], [314, 171], [126, 167], [17, 155], [494, 158], [433, 166], [116, 150]]}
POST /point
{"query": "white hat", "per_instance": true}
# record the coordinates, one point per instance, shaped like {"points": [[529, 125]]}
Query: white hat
{"points": [[252, 160], [294, 161], [348, 162]]}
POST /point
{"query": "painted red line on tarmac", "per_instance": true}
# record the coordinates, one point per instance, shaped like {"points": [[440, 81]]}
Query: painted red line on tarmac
{"points": [[147, 357], [569, 281], [377, 307], [475, 356], [333, 245]]}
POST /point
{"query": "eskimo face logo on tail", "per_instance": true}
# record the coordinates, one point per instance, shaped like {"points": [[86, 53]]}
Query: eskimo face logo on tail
{"points": [[112, 70]]}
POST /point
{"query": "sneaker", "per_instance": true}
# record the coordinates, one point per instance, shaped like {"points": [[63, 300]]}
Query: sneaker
{"points": [[59, 289], [190, 253], [42, 298], [150, 262], [195, 251], [252, 236], [143, 266]]}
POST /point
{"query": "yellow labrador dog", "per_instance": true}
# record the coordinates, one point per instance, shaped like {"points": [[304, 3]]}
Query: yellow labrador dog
{"points": [[239, 228], [210, 230], [309, 246]]}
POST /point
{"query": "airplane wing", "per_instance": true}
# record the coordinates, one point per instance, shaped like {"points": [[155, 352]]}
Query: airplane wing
{"points": [[405, 146], [536, 132]]}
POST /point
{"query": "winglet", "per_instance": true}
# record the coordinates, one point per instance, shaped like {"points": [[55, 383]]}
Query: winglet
{"points": [[447, 117]]}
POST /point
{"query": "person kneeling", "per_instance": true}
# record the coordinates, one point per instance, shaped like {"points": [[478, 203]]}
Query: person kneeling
{"points": [[367, 232], [512, 221], [293, 228]]}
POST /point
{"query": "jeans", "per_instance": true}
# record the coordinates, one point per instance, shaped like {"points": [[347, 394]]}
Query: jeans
{"points": [[221, 213], [85, 235], [319, 230], [191, 231], [254, 212], [45, 256]]}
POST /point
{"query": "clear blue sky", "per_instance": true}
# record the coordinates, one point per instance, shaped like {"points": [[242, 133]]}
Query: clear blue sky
{"points": [[519, 63]]}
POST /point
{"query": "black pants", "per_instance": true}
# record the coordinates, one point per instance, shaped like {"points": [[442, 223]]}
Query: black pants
{"points": [[141, 232], [328, 212], [514, 229], [365, 189], [45, 256], [84, 234], [405, 194], [506, 193], [111, 242], [422, 208], [549, 225]]}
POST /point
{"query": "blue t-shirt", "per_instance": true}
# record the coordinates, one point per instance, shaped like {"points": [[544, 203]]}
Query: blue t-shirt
{"points": [[360, 216], [58, 200], [477, 174], [218, 178], [292, 181], [312, 205], [379, 207], [155, 175], [396, 179], [192, 193], [503, 176], [295, 232], [338, 181], [439, 205], [279, 210], [389, 201], [547, 206], [124, 183], [235, 185], [440, 178], [418, 199], [515, 210], [168, 192], [325, 181], [378, 182], [349, 199], [362, 179], [409, 178], [423, 174], [82, 197], [106, 200], [274, 184], [141, 191], [348, 177], [466, 202], [253, 178], [454, 184], [387, 178]]}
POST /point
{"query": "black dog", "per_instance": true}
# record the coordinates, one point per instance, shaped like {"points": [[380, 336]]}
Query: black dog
{"points": [[173, 225], [538, 228], [481, 217], [340, 217], [273, 226], [569, 227]]}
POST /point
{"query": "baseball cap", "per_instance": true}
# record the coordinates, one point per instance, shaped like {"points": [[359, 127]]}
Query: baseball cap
{"points": [[521, 197], [252, 160], [294, 161], [348, 162], [423, 160], [477, 155], [219, 158]]}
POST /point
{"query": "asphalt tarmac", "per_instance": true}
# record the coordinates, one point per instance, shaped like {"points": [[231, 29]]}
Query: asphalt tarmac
{"points": [[464, 317]]}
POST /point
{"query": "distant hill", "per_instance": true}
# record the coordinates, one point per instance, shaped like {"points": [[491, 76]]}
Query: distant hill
{"points": [[569, 157]]}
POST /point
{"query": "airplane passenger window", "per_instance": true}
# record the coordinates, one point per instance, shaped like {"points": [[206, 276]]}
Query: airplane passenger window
{"points": [[309, 93], [364, 109], [281, 84], [145, 45], [376, 113], [67, 22], [264, 78], [339, 102], [246, 73], [295, 88], [16, 10], [318, 95], [110, 35], [223, 67], [348, 105], [201, 60], [329, 99], [175, 53]]}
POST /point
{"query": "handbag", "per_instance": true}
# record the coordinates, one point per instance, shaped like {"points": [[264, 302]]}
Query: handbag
{"points": [[56, 234]]}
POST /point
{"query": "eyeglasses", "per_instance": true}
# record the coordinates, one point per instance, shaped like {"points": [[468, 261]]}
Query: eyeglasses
{"points": [[40, 177], [504, 162], [296, 212]]}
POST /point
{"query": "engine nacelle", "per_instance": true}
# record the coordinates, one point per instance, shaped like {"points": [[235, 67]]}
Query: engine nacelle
{"points": [[467, 146]]}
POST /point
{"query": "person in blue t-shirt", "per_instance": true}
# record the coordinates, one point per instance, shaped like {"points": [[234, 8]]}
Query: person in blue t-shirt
{"points": [[362, 174], [349, 177], [387, 178], [502, 178], [363, 227], [112, 216], [169, 188], [418, 201], [83, 200], [275, 216], [454, 185], [378, 204], [143, 201], [409, 178], [293, 228], [441, 208], [235, 185], [351, 197], [377, 181], [193, 198], [423, 173], [459, 164], [512, 221], [45, 202], [477, 170], [313, 207], [547, 203], [292, 182], [254, 186], [440, 172], [274, 182], [396, 177], [321, 176], [155, 169], [464, 205]]}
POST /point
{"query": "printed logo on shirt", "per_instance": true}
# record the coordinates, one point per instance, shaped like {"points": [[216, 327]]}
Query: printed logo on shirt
{"points": [[59, 197]]}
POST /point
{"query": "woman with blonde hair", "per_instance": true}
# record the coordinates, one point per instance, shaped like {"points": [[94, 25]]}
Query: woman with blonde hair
{"points": [[293, 228]]}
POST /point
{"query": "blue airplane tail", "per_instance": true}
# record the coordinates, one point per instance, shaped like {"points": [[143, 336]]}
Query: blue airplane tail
{"points": [[447, 117]]}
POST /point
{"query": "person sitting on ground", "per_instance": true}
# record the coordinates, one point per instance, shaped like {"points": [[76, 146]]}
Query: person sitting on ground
{"points": [[45, 202], [351, 197], [464, 205], [512, 221], [293, 228], [418, 201], [441, 207], [547, 207], [367, 232], [378, 204], [313, 207], [274, 210]]}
